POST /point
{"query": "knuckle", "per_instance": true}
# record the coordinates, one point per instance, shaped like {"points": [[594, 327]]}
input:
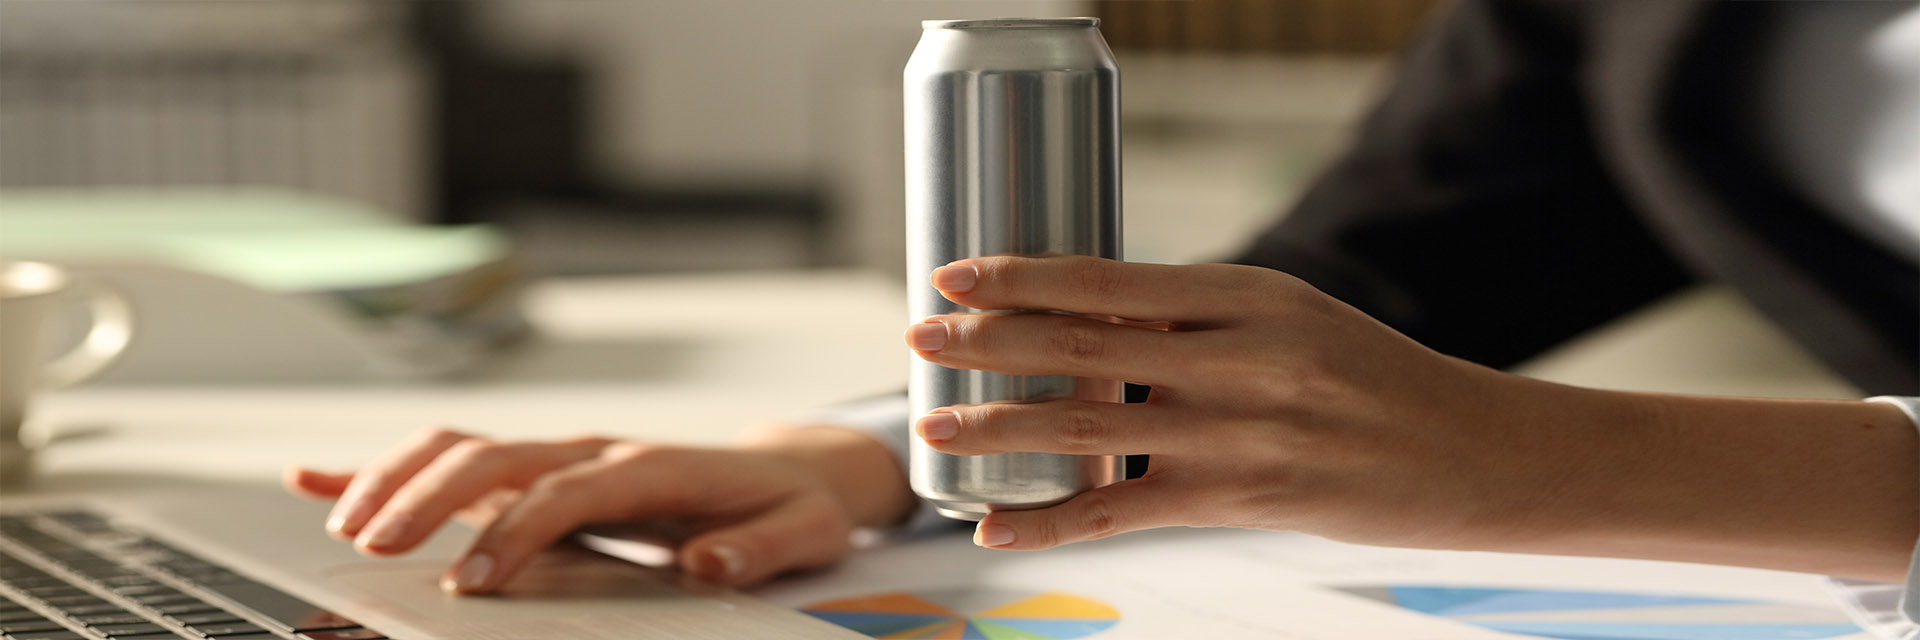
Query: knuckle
{"points": [[1309, 379], [994, 268], [822, 515], [983, 422], [633, 452], [556, 487], [1270, 289], [1084, 426], [1095, 279], [1098, 518], [441, 433], [474, 452], [589, 440], [1239, 279], [965, 332], [1077, 343], [1046, 532], [372, 480]]}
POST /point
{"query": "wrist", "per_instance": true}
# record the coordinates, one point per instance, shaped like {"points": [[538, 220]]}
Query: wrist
{"points": [[1817, 486], [861, 472]]}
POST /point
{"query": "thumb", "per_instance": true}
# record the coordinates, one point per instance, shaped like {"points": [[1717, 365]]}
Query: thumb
{"points": [[800, 533]]}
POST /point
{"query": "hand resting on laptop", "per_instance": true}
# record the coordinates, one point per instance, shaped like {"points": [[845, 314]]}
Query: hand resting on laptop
{"points": [[785, 499]]}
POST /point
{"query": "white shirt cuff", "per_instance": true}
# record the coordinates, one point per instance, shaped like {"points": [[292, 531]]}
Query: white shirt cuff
{"points": [[885, 419], [1887, 611]]}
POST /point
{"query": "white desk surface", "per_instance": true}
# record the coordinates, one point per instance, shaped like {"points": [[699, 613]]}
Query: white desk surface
{"points": [[692, 358], [698, 358]]}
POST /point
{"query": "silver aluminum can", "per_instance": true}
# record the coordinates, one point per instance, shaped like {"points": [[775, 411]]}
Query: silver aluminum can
{"points": [[1013, 148]]}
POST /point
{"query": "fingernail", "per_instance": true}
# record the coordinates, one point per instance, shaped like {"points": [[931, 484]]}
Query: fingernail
{"points": [[956, 278], [730, 560], [927, 336], [385, 533], [350, 511], [938, 426], [337, 525], [472, 574], [993, 535]]}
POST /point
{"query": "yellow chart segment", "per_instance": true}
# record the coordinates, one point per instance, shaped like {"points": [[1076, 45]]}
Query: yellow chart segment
{"points": [[1053, 605], [961, 614]]}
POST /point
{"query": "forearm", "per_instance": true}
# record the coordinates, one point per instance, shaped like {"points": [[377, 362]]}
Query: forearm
{"points": [[1803, 485], [862, 472]]}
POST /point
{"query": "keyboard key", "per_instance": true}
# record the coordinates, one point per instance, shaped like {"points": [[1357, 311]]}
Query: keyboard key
{"points": [[137, 590], [223, 629], [16, 571], [204, 617], [157, 598], [156, 635], [110, 574], [33, 582], [344, 634], [41, 624], [290, 613], [135, 629], [125, 617], [323, 621], [178, 608], [60, 634], [72, 556], [73, 600], [214, 577], [128, 580], [59, 590], [187, 566], [82, 521], [90, 609]]}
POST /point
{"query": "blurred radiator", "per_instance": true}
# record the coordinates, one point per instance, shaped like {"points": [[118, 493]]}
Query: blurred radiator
{"points": [[322, 97]]}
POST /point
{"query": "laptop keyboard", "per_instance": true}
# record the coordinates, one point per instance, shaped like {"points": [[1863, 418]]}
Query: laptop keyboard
{"points": [[73, 575]]}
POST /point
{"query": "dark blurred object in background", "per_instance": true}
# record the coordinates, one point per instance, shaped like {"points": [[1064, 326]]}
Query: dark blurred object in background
{"points": [[510, 131]]}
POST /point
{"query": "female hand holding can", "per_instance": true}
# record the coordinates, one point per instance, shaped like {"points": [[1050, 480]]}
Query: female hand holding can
{"points": [[1275, 406]]}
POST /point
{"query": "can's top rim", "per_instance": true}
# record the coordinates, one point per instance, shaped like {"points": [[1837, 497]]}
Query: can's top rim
{"points": [[1011, 23]]}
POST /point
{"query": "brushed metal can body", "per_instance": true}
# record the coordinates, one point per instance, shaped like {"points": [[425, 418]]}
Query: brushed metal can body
{"points": [[1012, 148]]}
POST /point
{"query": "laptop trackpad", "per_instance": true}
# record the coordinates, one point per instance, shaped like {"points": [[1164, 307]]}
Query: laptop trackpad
{"points": [[558, 583]]}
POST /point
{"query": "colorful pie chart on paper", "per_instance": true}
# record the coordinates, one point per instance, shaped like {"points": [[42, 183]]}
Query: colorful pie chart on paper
{"points": [[984, 614], [1614, 615]]}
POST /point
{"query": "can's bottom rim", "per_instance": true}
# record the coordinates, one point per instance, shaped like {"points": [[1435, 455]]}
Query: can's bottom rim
{"points": [[970, 516]]}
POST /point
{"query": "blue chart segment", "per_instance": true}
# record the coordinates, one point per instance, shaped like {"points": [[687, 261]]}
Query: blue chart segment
{"points": [[1613, 615]]}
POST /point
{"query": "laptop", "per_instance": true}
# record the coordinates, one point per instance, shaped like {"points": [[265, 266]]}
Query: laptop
{"points": [[252, 563]]}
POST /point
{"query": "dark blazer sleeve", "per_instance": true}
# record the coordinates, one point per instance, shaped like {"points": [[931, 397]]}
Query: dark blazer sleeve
{"points": [[1473, 212]]}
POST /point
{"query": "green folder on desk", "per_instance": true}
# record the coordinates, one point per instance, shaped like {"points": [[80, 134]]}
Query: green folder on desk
{"points": [[418, 301]]}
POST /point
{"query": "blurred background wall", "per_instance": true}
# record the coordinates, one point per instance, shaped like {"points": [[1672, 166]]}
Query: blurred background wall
{"points": [[646, 135]]}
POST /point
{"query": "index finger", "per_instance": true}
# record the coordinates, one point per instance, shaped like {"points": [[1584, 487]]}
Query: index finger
{"points": [[375, 483], [622, 484], [1088, 285]]}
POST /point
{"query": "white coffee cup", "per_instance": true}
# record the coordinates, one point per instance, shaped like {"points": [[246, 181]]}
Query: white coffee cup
{"points": [[31, 296]]}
